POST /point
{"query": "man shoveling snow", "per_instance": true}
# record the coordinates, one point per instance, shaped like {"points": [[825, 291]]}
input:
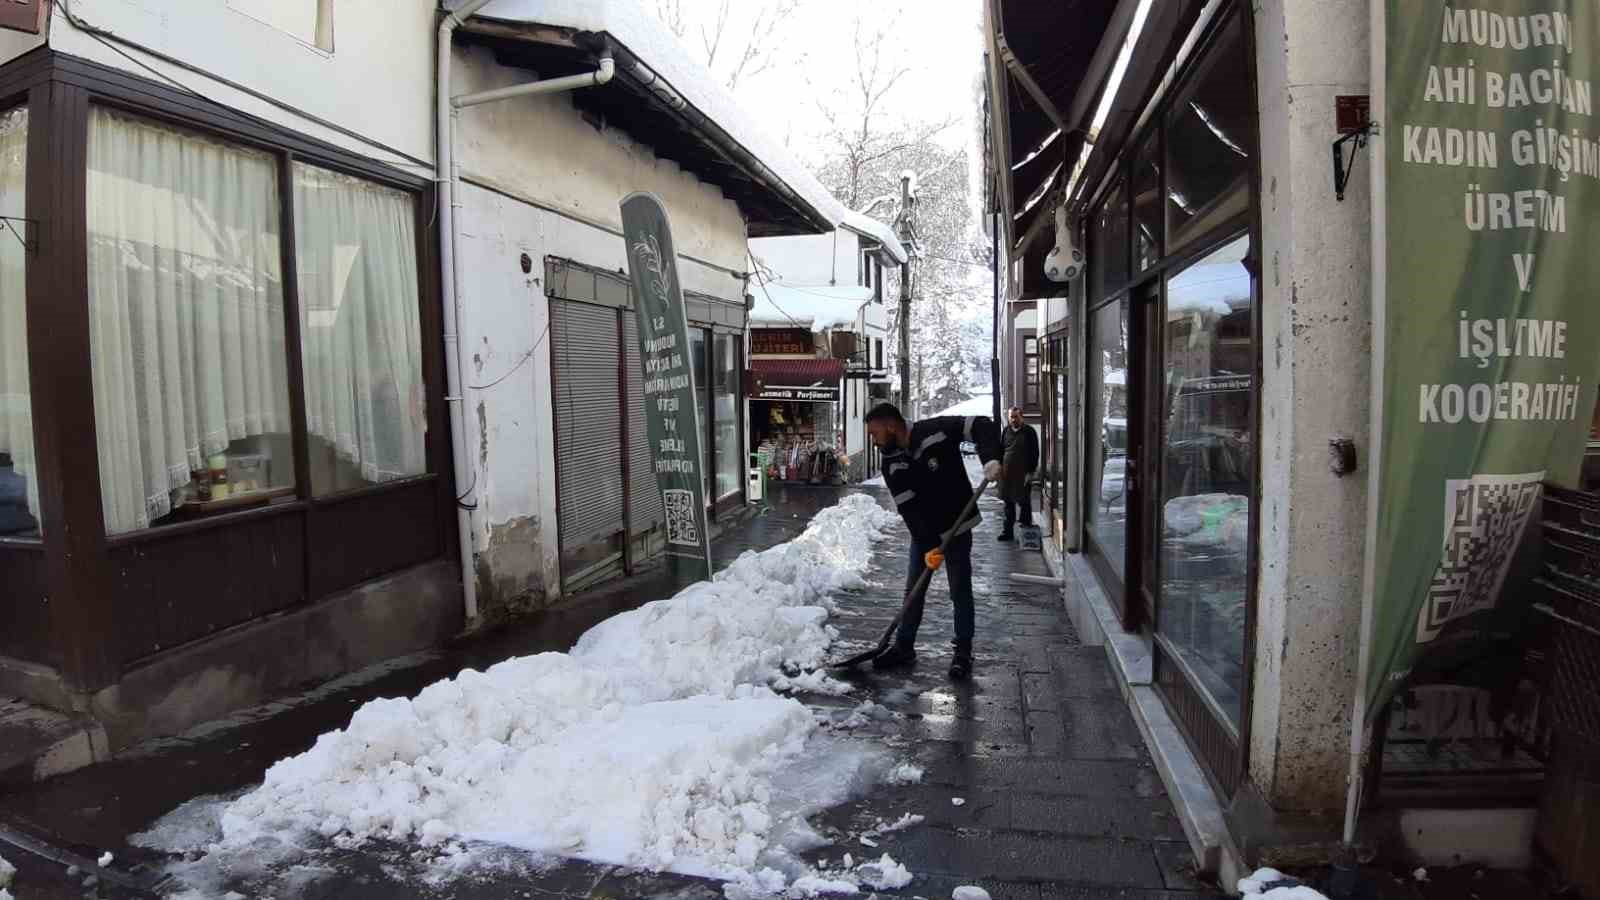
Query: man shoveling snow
{"points": [[927, 477], [655, 743]]}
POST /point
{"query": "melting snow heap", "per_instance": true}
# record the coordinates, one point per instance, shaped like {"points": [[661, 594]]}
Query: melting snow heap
{"points": [[653, 743]]}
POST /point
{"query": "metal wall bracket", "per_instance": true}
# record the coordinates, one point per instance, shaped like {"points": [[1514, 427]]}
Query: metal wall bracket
{"points": [[12, 223], [1341, 169]]}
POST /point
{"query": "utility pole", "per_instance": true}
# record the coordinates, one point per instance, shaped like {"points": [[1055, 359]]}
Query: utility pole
{"points": [[906, 233]]}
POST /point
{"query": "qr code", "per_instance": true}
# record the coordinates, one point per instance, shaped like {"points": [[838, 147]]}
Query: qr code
{"points": [[682, 527], [1484, 518]]}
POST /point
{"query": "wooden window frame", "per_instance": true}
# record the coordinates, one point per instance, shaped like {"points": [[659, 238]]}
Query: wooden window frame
{"points": [[95, 617]]}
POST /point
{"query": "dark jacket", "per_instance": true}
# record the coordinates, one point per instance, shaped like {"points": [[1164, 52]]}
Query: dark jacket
{"points": [[1020, 456], [928, 478]]}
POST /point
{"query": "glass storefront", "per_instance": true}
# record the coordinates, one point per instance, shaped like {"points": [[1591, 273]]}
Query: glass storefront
{"points": [[1170, 482], [1208, 470], [725, 410], [1106, 441]]}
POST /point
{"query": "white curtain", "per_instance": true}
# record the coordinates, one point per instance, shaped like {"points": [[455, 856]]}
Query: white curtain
{"points": [[186, 307], [360, 323], [16, 412]]}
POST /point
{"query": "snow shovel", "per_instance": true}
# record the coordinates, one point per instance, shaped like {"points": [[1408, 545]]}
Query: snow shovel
{"points": [[916, 590]]}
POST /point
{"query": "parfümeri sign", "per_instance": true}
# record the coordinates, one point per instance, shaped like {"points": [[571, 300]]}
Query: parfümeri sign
{"points": [[671, 413], [1492, 165]]}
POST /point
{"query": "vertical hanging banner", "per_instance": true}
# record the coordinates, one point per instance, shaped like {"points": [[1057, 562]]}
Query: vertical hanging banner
{"points": [[670, 409], [1491, 197]]}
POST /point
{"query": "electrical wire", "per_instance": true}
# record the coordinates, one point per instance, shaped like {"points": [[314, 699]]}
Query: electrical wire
{"points": [[519, 363]]}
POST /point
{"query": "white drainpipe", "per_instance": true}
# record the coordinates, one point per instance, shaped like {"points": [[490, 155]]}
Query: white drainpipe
{"points": [[448, 176]]}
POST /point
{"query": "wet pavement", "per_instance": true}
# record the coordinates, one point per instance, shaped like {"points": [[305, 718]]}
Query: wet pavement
{"points": [[1059, 797]]}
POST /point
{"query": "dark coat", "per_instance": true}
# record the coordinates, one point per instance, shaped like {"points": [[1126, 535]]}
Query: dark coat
{"points": [[928, 478], [1020, 458]]}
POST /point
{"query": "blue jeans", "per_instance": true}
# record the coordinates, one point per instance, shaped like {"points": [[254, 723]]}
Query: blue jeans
{"points": [[957, 568]]}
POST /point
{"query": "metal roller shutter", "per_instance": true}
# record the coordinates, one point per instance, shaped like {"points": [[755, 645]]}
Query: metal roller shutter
{"points": [[646, 512], [583, 343]]}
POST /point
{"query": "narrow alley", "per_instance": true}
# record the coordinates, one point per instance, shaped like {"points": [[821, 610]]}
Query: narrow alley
{"points": [[1057, 797]]}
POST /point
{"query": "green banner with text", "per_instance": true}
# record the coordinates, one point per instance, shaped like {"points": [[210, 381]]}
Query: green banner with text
{"points": [[1492, 183], [671, 412]]}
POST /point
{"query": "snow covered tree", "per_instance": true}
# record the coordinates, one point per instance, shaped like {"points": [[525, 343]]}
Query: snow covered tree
{"points": [[874, 135], [734, 42]]}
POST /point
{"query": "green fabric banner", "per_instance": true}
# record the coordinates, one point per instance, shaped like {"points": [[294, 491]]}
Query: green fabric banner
{"points": [[670, 399], [1492, 167]]}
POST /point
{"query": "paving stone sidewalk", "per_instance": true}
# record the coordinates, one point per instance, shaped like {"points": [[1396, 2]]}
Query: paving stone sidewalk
{"points": [[1061, 800]]}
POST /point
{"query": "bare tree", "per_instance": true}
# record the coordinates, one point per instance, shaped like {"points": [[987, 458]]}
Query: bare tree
{"points": [[727, 42]]}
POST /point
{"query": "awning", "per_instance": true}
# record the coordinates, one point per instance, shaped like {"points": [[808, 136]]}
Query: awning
{"points": [[803, 380]]}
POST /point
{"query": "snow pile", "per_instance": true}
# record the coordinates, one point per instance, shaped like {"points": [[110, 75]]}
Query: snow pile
{"points": [[906, 773], [969, 892], [7, 872], [656, 742], [1270, 884]]}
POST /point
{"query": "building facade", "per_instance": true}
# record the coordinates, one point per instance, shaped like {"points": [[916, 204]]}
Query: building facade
{"points": [[1192, 383], [231, 458]]}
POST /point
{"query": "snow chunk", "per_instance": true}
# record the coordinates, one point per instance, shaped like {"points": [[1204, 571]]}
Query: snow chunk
{"points": [[884, 874], [815, 681], [905, 773], [958, 801], [969, 892], [1270, 884], [7, 872], [105, 860]]}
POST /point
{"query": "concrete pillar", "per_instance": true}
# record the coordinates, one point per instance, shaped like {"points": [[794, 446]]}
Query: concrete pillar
{"points": [[1317, 382]]}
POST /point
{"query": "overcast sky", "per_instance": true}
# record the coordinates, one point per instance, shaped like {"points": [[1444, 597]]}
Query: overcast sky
{"points": [[939, 41]]}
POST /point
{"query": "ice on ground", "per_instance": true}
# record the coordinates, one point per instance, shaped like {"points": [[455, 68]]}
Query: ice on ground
{"points": [[906, 773], [906, 821], [884, 874], [1270, 884], [657, 742]]}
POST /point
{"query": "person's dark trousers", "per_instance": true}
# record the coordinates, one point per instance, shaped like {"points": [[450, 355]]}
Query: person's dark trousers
{"points": [[1027, 511], [958, 569]]}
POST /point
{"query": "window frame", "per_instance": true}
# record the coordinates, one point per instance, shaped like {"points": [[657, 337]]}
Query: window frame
{"points": [[34, 539], [1150, 283], [286, 150]]}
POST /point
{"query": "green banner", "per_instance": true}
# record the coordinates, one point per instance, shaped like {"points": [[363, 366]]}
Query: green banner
{"points": [[670, 399], [1492, 169]]}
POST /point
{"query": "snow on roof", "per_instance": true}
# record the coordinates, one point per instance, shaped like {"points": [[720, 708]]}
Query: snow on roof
{"points": [[872, 228], [643, 35], [818, 308], [980, 405]]}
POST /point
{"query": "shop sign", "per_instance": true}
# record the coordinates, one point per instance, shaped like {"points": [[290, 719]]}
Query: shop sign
{"points": [[672, 414], [781, 342], [796, 394], [1487, 331], [23, 15]]}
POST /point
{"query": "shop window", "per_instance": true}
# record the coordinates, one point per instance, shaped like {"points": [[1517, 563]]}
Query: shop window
{"points": [[1108, 260], [1106, 443], [1208, 471], [725, 403], [1147, 205], [307, 21], [19, 487], [1210, 140], [361, 331], [186, 322], [1030, 362], [702, 386]]}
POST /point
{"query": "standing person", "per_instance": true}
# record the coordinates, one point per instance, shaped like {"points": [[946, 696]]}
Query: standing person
{"points": [[924, 471], [1020, 456]]}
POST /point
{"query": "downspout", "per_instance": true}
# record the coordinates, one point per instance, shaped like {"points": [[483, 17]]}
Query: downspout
{"points": [[447, 176]]}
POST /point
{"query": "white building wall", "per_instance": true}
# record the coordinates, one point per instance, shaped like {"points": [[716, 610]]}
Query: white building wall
{"points": [[832, 258], [540, 180], [378, 81], [1317, 384]]}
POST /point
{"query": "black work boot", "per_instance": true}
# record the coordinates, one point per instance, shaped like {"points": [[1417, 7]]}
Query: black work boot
{"points": [[961, 666], [898, 656]]}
